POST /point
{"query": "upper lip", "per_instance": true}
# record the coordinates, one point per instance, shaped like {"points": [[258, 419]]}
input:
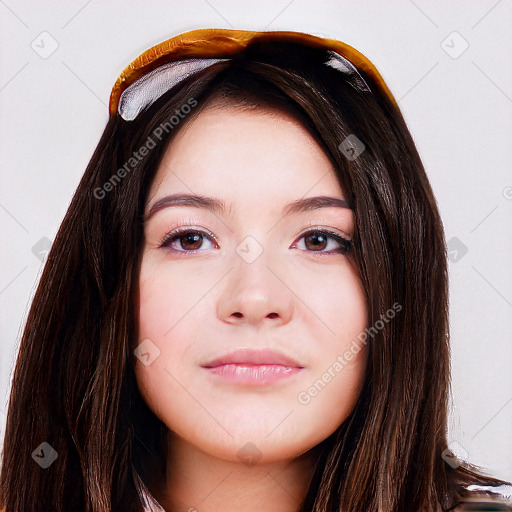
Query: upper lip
{"points": [[260, 356]]}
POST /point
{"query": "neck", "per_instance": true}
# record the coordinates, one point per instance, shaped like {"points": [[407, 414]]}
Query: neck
{"points": [[199, 482]]}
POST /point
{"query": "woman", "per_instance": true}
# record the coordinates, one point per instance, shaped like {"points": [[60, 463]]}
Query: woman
{"points": [[294, 356]]}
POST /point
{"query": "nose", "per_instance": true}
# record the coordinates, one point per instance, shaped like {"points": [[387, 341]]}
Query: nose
{"points": [[255, 293]]}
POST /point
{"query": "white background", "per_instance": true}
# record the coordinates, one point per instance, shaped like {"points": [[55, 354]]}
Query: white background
{"points": [[456, 101]]}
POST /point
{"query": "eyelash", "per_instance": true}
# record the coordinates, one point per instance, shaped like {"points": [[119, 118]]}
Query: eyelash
{"points": [[345, 244]]}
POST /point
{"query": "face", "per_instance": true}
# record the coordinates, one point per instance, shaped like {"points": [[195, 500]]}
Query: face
{"points": [[250, 277]]}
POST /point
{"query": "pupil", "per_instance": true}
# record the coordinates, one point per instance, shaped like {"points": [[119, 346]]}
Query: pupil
{"points": [[317, 236], [191, 238]]}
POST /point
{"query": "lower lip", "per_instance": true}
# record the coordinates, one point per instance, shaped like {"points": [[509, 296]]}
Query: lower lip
{"points": [[254, 374]]}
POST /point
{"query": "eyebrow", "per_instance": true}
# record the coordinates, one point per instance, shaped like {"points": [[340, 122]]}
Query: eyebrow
{"points": [[217, 206]]}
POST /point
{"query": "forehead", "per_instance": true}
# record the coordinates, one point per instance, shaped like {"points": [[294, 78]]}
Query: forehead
{"points": [[234, 153]]}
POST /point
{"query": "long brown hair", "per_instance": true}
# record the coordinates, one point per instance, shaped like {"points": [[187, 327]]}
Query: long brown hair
{"points": [[74, 386]]}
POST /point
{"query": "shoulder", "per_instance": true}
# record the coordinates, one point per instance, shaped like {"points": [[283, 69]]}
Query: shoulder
{"points": [[482, 495], [469, 489]]}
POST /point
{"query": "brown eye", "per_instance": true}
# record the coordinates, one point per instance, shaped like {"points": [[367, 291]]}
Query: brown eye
{"points": [[191, 240], [317, 240], [185, 240]]}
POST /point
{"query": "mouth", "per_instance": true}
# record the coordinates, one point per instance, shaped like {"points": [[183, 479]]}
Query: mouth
{"points": [[253, 367]]}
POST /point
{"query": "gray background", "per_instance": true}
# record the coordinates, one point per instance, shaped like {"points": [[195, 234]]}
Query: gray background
{"points": [[448, 65]]}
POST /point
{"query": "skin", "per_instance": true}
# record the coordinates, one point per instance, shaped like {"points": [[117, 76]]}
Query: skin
{"points": [[301, 296]]}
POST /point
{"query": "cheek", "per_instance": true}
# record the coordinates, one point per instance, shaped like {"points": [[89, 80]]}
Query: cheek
{"points": [[340, 301], [171, 305], [340, 362], [160, 305], [165, 334]]}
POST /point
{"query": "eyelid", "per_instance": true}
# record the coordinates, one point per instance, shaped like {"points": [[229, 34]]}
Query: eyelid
{"points": [[314, 226], [194, 224]]}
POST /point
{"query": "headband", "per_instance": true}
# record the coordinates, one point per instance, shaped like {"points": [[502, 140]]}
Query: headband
{"points": [[165, 65]]}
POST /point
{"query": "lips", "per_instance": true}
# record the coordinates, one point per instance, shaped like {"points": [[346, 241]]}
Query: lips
{"points": [[252, 368], [253, 357]]}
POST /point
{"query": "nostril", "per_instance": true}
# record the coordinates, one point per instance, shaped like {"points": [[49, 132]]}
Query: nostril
{"points": [[237, 314], [272, 315]]}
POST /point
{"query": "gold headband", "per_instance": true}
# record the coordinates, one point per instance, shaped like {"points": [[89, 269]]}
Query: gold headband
{"points": [[162, 66]]}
